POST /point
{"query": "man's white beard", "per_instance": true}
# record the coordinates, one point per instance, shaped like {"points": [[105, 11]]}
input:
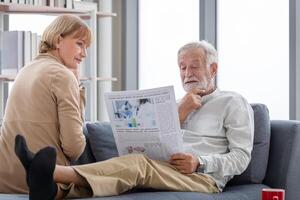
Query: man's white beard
{"points": [[204, 84]]}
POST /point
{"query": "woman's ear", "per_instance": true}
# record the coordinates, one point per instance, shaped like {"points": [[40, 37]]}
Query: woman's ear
{"points": [[58, 41]]}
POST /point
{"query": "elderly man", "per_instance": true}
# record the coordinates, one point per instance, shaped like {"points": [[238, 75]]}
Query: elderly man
{"points": [[217, 132], [218, 126]]}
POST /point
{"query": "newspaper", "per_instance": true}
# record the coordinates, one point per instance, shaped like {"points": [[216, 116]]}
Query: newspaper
{"points": [[145, 121]]}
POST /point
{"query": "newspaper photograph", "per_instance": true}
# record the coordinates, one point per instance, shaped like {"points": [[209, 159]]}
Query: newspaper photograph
{"points": [[145, 121]]}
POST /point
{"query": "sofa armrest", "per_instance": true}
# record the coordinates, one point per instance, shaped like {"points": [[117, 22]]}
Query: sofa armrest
{"points": [[284, 158]]}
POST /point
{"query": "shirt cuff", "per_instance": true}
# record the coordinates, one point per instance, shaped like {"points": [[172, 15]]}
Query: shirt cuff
{"points": [[209, 165]]}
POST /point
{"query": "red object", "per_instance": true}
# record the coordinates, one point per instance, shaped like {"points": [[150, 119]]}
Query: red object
{"points": [[272, 194]]}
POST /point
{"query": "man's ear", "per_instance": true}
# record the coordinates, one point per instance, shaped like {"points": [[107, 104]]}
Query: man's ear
{"points": [[213, 69]]}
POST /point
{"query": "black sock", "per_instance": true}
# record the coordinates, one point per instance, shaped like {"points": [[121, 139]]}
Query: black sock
{"points": [[42, 185], [39, 169], [23, 154]]}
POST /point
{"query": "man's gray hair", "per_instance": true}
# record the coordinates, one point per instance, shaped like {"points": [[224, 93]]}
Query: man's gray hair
{"points": [[210, 51]]}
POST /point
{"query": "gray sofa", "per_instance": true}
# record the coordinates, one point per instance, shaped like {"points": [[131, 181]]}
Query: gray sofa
{"points": [[275, 162]]}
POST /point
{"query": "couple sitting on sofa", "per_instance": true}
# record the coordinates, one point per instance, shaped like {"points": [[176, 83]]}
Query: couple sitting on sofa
{"points": [[218, 128]]}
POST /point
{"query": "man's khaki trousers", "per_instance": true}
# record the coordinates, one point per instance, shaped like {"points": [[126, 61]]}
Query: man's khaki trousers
{"points": [[120, 174]]}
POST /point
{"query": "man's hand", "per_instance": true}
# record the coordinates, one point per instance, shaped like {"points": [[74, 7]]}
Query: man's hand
{"points": [[184, 162], [190, 102]]}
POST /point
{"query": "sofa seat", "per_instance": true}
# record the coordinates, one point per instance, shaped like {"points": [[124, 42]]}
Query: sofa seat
{"points": [[238, 192]]}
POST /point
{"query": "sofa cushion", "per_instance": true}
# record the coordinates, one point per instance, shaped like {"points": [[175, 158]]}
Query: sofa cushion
{"points": [[87, 155], [257, 167], [102, 140]]}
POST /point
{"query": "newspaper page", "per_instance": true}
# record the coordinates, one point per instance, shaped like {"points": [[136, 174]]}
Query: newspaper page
{"points": [[145, 121]]}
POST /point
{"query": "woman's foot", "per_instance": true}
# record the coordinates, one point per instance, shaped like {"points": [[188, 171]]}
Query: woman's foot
{"points": [[39, 169], [23, 154]]}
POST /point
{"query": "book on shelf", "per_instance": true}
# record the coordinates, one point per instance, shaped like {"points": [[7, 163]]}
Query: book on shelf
{"points": [[59, 3], [50, 3], [69, 4], [38, 41], [34, 47], [30, 2], [37, 2], [1, 39], [27, 47], [84, 5], [12, 51]]}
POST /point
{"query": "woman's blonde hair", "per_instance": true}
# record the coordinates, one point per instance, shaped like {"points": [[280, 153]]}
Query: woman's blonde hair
{"points": [[64, 25]]}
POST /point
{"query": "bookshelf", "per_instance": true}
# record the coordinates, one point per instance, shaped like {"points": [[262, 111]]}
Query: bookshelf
{"points": [[10, 78], [11, 8], [88, 12]]}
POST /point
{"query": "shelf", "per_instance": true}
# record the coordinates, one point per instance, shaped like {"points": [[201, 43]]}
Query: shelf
{"points": [[106, 14], [99, 78], [11, 8], [7, 77], [12, 78]]}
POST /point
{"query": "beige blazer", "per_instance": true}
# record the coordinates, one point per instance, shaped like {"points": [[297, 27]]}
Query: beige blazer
{"points": [[46, 106]]}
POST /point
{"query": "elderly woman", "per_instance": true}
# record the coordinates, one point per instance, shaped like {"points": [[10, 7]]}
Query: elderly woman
{"points": [[46, 102]]}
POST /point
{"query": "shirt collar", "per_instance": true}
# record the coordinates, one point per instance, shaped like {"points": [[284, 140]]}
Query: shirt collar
{"points": [[208, 97]]}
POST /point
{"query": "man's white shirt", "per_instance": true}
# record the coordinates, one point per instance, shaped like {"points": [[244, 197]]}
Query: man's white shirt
{"points": [[220, 134]]}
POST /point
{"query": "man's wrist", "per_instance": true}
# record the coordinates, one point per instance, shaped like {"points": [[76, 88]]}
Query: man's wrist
{"points": [[182, 115], [202, 166]]}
